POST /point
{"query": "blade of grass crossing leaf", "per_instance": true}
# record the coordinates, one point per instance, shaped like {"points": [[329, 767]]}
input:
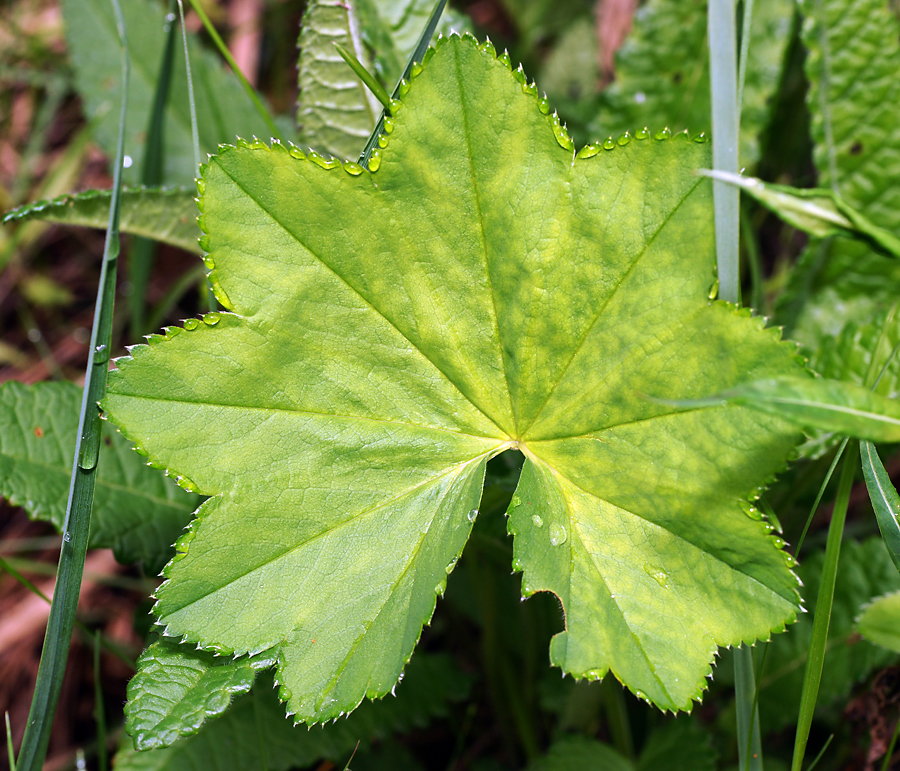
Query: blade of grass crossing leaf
{"points": [[884, 499], [365, 76], [226, 54], [822, 619], [99, 715], [76, 529], [416, 56]]}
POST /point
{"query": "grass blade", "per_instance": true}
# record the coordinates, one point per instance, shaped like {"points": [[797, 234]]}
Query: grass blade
{"points": [[99, 715], [9, 743], [816, 660], [416, 56], [365, 76], [749, 741], [78, 513], [884, 499]]}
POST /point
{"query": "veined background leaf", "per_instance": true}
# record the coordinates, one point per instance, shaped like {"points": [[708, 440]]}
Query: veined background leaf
{"points": [[662, 72], [166, 214], [880, 622], [358, 474], [864, 571], [854, 98], [137, 512], [885, 500], [336, 112], [254, 736], [225, 110]]}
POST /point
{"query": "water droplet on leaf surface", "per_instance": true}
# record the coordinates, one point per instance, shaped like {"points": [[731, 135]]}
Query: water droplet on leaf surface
{"points": [[472, 515], [538, 522], [191, 324], [558, 534]]}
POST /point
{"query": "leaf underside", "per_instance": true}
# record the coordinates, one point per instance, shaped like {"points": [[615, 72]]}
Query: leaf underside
{"points": [[484, 289]]}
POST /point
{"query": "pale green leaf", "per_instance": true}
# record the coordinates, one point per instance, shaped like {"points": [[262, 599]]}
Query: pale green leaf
{"points": [[93, 43], [166, 214], [662, 72], [482, 290], [176, 690], [137, 512], [852, 64], [884, 499], [880, 622], [828, 405], [252, 735], [865, 571]]}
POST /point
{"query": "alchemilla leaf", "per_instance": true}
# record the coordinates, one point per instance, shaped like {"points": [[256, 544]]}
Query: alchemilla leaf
{"points": [[483, 288]]}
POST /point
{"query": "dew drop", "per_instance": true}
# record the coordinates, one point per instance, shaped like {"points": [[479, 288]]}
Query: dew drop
{"points": [[396, 106], [538, 522], [191, 324], [544, 105], [505, 60], [403, 88], [208, 262], [789, 559], [624, 139], [472, 515], [643, 133], [127, 162], [714, 290], [211, 319], [352, 168], [779, 542], [374, 160], [562, 137], [323, 162], [660, 576], [297, 153], [530, 88], [388, 125], [101, 354], [488, 47], [382, 141], [67, 537], [588, 151], [516, 501], [664, 134], [609, 143], [751, 511], [558, 534], [451, 565], [701, 137], [517, 565], [415, 70]]}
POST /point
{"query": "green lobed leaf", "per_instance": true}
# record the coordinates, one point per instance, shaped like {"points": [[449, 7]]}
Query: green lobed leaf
{"points": [[163, 214], [177, 689], [828, 405], [137, 512], [482, 289], [335, 111], [253, 734], [93, 44], [885, 500], [662, 72], [880, 622], [865, 571], [854, 99]]}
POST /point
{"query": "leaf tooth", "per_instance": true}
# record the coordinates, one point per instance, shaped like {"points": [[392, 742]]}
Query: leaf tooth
{"points": [[588, 151], [663, 134], [295, 152], [488, 47]]}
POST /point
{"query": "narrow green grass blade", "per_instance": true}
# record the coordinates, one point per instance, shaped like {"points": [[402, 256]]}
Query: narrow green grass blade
{"points": [[884, 499], [886, 766], [725, 123], [9, 743], [78, 514], [99, 714], [192, 103], [417, 55], [226, 55], [746, 21], [814, 664], [143, 250], [822, 488], [365, 76], [748, 734]]}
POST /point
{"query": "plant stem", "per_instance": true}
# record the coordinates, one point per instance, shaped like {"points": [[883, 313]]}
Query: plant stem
{"points": [[814, 664]]}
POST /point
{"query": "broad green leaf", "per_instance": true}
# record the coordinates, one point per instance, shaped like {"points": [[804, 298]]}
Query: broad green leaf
{"points": [[176, 690], [885, 500], [252, 735], [165, 214], [335, 111], [137, 513], [483, 289], [829, 405], [880, 622], [821, 213], [854, 99], [225, 111], [662, 72], [865, 571]]}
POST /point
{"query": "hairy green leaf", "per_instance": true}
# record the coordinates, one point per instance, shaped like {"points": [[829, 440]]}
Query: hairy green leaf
{"points": [[884, 499], [93, 43], [662, 72], [880, 622], [865, 571], [828, 405], [854, 98], [137, 512], [482, 289], [176, 689], [164, 214], [253, 735], [336, 112]]}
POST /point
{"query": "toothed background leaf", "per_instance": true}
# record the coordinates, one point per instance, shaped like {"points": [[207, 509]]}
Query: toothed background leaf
{"points": [[253, 734], [552, 297], [336, 112], [662, 72], [138, 513], [864, 571], [224, 109], [167, 214], [879, 622], [852, 64]]}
